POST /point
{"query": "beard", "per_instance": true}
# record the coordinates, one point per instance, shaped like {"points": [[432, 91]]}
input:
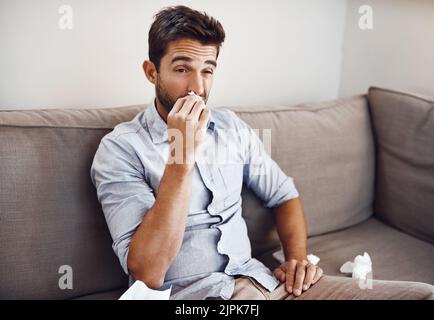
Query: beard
{"points": [[164, 97]]}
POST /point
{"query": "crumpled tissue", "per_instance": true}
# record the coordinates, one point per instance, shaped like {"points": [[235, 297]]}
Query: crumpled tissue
{"points": [[359, 268], [278, 255], [140, 291]]}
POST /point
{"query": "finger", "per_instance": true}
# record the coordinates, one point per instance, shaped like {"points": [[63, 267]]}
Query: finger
{"points": [[299, 277], [189, 103], [196, 111], [290, 274], [310, 273], [318, 275], [203, 119], [177, 106], [280, 274]]}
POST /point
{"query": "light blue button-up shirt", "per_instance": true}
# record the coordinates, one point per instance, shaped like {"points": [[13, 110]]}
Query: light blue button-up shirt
{"points": [[127, 170]]}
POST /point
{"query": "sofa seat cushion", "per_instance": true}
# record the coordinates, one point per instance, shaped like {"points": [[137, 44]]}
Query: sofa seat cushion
{"points": [[395, 255]]}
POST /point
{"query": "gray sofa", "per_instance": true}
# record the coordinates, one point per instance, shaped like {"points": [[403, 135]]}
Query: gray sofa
{"points": [[364, 167]]}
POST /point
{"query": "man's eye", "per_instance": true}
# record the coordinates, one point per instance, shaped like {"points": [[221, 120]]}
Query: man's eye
{"points": [[209, 71], [181, 70]]}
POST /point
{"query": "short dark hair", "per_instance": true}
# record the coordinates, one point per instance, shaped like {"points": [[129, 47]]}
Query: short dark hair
{"points": [[181, 22]]}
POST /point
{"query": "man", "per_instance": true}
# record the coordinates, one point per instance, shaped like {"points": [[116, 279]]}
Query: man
{"points": [[175, 219]]}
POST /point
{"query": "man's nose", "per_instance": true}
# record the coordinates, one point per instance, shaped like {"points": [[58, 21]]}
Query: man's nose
{"points": [[197, 85]]}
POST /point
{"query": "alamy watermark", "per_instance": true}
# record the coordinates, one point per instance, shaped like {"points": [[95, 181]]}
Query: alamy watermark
{"points": [[366, 20], [66, 280], [231, 146], [66, 20]]}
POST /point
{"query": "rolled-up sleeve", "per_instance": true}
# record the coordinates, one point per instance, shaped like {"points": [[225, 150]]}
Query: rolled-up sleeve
{"points": [[262, 174], [124, 195]]}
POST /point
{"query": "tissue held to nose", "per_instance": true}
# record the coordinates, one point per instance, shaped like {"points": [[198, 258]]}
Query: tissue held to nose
{"points": [[192, 93]]}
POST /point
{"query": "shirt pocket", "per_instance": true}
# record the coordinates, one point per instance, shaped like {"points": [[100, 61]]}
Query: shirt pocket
{"points": [[232, 177]]}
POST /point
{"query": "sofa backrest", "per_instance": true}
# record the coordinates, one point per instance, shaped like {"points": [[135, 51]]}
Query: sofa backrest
{"points": [[328, 149], [50, 216], [403, 125], [48, 209]]}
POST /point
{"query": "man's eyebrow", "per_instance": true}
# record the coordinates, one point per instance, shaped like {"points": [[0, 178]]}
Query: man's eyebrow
{"points": [[188, 59], [213, 62]]}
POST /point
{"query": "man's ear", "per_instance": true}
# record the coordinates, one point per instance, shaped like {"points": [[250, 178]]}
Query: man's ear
{"points": [[150, 71]]}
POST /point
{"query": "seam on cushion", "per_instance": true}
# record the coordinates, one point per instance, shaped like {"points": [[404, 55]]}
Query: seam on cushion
{"points": [[296, 108], [76, 109], [407, 94], [55, 127], [302, 107]]}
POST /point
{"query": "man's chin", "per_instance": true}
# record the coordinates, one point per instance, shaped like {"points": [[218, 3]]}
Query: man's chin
{"points": [[167, 106]]}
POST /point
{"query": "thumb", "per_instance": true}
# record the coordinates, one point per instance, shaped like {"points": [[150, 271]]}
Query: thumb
{"points": [[280, 274]]}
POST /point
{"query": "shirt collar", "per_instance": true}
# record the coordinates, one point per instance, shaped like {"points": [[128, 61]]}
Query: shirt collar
{"points": [[158, 127]]}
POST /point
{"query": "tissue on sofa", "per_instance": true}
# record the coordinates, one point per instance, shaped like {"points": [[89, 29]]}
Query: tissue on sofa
{"points": [[360, 268]]}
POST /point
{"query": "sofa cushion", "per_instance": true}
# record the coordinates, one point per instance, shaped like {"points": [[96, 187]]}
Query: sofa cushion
{"points": [[328, 149], [404, 129], [50, 215], [107, 295], [395, 255]]}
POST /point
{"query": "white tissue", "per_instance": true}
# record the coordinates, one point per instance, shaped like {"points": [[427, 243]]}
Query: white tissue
{"points": [[313, 259], [140, 291], [192, 93], [360, 268]]}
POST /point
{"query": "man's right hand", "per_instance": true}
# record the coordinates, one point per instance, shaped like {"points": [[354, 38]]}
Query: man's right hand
{"points": [[186, 127]]}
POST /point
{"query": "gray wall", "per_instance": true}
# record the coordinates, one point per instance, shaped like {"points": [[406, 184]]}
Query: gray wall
{"points": [[277, 52], [397, 53]]}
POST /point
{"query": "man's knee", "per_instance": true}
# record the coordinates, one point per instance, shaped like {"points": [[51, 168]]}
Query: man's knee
{"points": [[342, 288], [426, 291], [401, 290]]}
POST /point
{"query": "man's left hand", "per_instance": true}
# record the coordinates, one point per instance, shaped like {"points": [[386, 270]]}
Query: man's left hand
{"points": [[298, 275]]}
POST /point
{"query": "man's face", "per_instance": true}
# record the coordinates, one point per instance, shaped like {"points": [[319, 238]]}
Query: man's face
{"points": [[187, 65]]}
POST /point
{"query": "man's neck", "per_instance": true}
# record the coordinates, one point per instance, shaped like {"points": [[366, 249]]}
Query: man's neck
{"points": [[161, 110]]}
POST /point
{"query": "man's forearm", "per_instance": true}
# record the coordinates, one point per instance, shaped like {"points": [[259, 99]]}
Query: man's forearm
{"points": [[158, 239], [295, 271], [292, 230]]}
